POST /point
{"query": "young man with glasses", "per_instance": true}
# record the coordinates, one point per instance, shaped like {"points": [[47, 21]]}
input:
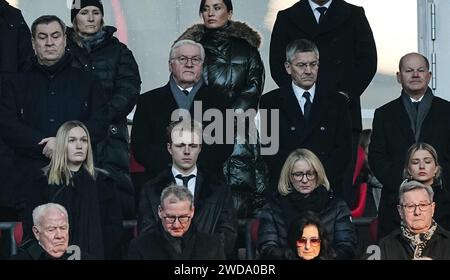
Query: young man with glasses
{"points": [[176, 237], [419, 236], [311, 115]]}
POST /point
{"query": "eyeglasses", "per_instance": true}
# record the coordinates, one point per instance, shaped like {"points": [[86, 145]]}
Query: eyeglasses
{"points": [[410, 208], [181, 219], [314, 241], [303, 66], [195, 60], [310, 175]]}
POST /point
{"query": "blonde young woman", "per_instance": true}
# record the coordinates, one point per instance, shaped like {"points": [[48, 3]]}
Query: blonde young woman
{"points": [[303, 186], [88, 194]]}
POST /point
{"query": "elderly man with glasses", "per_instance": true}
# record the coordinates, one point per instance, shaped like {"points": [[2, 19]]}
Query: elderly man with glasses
{"points": [[177, 237], [419, 236]]}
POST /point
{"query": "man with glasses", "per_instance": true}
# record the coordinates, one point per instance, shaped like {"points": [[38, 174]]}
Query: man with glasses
{"points": [[176, 237], [419, 237], [311, 115], [214, 211], [156, 109]]}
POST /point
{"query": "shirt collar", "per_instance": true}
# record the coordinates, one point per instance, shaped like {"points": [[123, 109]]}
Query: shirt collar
{"points": [[299, 91], [175, 172], [314, 5]]}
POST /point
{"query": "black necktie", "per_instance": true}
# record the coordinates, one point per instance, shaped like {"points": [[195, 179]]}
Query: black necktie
{"points": [[185, 179], [307, 106], [185, 92], [416, 105], [322, 11]]}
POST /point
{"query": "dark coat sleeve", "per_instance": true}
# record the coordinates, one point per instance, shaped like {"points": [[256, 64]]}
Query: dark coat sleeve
{"points": [[340, 156], [388, 171], [344, 239], [142, 132], [15, 132], [97, 123], [227, 222], [249, 96], [365, 54], [278, 42], [127, 86], [133, 251], [269, 234]]}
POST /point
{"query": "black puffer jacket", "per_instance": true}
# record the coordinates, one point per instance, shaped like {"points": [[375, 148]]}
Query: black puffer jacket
{"points": [[233, 66], [113, 63], [274, 226]]}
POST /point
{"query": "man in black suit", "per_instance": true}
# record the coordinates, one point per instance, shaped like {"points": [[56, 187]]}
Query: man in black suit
{"points": [[311, 115], [348, 56], [416, 116], [214, 206], [176, 236], [154, 111]]}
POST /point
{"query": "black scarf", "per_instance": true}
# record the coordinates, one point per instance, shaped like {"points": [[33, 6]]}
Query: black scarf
{"points": [[296, 203]]}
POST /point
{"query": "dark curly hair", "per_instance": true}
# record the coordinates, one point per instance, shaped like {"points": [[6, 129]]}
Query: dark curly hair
{"points": [[296, 231]]}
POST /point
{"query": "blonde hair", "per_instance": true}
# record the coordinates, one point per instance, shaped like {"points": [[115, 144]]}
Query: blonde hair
{"points": [[58, 171], [419, 147], [285, 185]]}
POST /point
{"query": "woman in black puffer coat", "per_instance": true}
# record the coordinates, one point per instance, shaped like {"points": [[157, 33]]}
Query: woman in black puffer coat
{"points": [[233, 67], [304, 186], [95, 49]]}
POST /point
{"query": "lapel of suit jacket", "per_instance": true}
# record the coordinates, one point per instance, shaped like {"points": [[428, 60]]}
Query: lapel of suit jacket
{"points": [[401, 117], [303, 17], [289, 105], [336, 14], [318, 108]]}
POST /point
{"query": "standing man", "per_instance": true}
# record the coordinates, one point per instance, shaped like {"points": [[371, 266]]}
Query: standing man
{"points": [[176, 236], [214, 206], [15, 56], [37, 102], [416, 116], [348, 56], [311, 116], [154, 111]]}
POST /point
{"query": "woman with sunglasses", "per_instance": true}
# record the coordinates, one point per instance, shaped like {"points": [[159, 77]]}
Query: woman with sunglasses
{"points": [[308, 238], [303, 186]]}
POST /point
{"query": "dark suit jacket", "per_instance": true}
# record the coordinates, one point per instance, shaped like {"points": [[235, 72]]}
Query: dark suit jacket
{"points": [[327, 133], [196, 246], [153, 115], [214, 213], [391, 138], [347, 48]]}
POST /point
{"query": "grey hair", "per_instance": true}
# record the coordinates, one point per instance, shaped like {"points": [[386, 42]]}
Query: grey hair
{"points": [[40, 211], [408, 186], [180, 43], [300, 46], [176, 193]]}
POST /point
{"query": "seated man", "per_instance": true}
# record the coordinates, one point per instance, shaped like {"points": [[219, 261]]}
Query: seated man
{"points": [[419, 237], [51, 230], [215, 213], [176, 238]]}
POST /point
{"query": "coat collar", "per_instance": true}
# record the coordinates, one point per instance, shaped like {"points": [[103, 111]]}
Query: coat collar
{"points": [[235, 29], [337, 13]]}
